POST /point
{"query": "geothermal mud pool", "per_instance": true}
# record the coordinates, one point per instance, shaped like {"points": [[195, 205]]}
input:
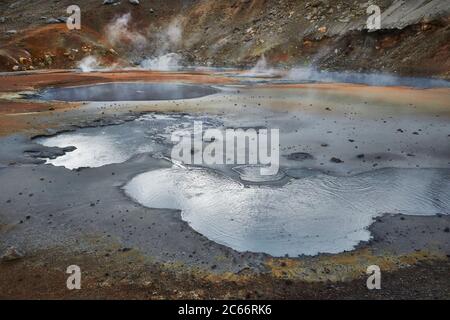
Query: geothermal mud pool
{"points": [[321, 214], [345, 160], [129, 91]]}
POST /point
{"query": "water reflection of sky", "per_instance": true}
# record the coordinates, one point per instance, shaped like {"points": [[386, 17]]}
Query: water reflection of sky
{"points": [[307, 216], [128, 91]]}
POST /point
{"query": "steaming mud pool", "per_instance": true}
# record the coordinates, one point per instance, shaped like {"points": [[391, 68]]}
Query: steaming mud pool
{"points": [[346, 159], [128, 91]]}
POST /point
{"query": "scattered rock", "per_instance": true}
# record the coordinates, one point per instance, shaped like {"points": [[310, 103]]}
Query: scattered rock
{"points": [[11, 254], [69, 149], [344, 20], [52, 21], [336, 160], [300, 156], [113, 2]]}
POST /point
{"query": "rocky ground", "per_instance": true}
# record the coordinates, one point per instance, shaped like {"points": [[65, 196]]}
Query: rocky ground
{"points": [[129, 276], [413, 40], [52, 217]]}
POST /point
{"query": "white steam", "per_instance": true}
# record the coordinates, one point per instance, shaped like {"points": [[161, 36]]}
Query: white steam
{"points": [[173, 33], [262, 69], [119, 32], [167, 41], [310, 74], [164, 43], [88, 64], [167, 62]]}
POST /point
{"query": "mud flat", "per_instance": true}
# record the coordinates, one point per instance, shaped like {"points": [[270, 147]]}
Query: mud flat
{"points": [[56, 211]]}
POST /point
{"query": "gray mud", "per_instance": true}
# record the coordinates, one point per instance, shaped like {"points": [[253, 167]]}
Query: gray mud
{"points": [[127, 91], [45, 206]]}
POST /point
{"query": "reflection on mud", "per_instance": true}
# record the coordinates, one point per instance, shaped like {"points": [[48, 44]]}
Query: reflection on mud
{"points": [[345, 159], [128, 92], [320, 214]]}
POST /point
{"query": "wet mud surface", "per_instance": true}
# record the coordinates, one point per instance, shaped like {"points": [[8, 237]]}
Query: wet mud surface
{"points": [[45, 207], [127, 91]]}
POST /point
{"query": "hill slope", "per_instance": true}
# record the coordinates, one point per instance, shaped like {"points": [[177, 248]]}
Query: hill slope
{"points": [[414, 39]]}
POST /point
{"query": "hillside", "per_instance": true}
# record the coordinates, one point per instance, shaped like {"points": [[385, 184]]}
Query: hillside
{"points": [[414, 39]]}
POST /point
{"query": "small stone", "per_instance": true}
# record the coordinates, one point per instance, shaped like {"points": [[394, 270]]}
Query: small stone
{"points": [[336, 160], [69, 149], [52, 21], [11, 254]]}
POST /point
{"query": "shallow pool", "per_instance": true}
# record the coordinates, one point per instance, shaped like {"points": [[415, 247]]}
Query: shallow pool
{"points": [[127, 91], [319, 214]]}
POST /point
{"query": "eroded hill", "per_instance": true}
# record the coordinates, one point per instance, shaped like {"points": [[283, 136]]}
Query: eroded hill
{"points": [[414, 38]]}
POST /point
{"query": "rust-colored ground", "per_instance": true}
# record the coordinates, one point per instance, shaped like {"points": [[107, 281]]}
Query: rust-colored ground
{"points": [[438, 97], [20, 115], [129, 276], [18, 82]]}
